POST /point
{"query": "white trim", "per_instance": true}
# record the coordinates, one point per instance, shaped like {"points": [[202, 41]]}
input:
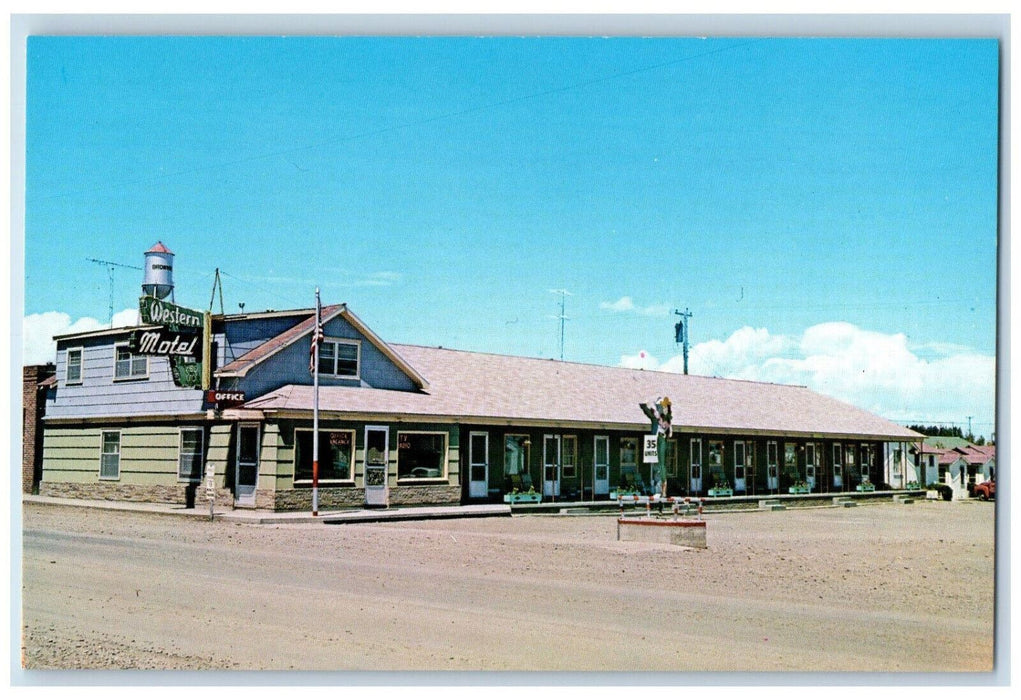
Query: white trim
{"points": [[180, 446], [354, 452], [444, 475], [337, 341], [132, 377], [81, 365], [102, 446]]}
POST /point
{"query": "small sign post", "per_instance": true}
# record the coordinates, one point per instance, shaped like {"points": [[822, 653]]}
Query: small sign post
{"points": [[211, 487]]}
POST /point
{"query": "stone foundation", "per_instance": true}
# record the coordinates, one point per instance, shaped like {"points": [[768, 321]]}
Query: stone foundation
{"points": [[113, 491], [291, 500]]}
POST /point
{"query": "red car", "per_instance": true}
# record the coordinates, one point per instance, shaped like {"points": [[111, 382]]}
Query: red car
{"points": [[985, 490]]}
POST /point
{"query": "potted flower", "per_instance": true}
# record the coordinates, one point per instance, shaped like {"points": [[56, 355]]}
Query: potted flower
{"points": [[516, 496], [798, 487], [865, 486], [623, 492], [721, 489]]}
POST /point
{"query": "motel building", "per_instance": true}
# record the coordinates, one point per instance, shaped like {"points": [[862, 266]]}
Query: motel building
{"points": [[151, 412]]}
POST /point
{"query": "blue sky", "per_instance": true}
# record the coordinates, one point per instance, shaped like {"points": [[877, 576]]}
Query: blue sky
{"points": [[827, 209]]}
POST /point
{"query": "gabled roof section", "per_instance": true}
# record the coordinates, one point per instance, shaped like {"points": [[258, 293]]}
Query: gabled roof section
{"points": [[242, 365]]}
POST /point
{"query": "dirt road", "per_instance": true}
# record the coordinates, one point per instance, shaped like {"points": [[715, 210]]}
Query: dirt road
{"points": [[874, 588]]}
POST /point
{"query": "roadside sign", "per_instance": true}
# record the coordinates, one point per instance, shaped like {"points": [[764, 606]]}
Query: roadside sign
{"points": [[650, 451]]}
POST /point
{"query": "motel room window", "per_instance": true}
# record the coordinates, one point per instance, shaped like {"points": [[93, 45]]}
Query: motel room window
{"points": [[339, 358], [838, 459], [569, 457], [716, 459], [129, 365], [421, 455], [336, 455], [74, 367], [695, 462], [790, 459], [515, 454], [110, 456], [189, 455], [628, 451]]}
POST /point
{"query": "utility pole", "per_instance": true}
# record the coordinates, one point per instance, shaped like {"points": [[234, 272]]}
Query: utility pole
{"points": [[681, 333], [110, 268], [563, 296]]}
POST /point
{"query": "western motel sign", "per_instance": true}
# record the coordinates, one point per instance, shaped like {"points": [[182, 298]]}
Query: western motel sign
{"points": [[159, 312], [161, 341]]}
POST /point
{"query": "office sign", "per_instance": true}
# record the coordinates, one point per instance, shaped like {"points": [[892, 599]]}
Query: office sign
{"points": [[224, 399]]}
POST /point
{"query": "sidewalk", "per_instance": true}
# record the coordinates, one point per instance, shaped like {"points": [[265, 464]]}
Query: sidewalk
{"points": [[266, 517]]}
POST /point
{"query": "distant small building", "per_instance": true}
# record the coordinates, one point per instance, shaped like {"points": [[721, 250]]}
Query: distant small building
{"points": [[35, 381]]}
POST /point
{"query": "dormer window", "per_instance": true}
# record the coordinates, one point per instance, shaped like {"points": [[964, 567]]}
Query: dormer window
{"points": [[339, 358]]}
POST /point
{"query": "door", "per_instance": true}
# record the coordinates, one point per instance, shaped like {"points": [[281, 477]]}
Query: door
{"points": [[246, 472], [810, 465], [478, 465], [838, 466], [551, 465], [772, 467], [377, 462], [695, 466], [601, 472], [740, 467]]}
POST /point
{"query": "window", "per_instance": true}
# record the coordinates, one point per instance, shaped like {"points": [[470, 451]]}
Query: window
{"points": [[515, 454], [339, 358], [74, 366], [128, 365], [838, 459], [336, 455], [421, 455], [628, 451], [772, 461], [110, 456], [189, 456], [569, 456], [696, 458], [716, 460], [790, 459]]}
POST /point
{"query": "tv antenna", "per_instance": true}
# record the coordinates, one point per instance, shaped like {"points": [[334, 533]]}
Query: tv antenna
{"points": [[563, 297], [681, 333], [110, 267]]}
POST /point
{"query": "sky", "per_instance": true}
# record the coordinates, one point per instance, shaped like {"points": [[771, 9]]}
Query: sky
{"points": [[826, 209]]}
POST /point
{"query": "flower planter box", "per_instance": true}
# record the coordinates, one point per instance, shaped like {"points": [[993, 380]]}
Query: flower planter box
{"points": [[720, 493], [615, 495], [865, 487], [522, 498], [933, 495], [797, 489]]}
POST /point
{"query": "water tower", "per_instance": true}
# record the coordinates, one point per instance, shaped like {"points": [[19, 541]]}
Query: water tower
{"points": [[159, 272]]}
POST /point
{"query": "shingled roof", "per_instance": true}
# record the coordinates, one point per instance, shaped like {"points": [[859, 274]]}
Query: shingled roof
{"points": [[485, 388]]}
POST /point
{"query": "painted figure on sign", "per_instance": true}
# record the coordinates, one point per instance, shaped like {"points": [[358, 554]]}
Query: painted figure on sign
{"points": [[660, 413]]}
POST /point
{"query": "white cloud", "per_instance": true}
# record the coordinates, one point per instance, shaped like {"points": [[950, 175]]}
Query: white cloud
{"points": [[38, 329], [875, 371], [627, 305]]}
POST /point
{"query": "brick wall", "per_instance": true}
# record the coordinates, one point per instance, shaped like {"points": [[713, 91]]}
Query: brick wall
{"points": [[33, 400]]}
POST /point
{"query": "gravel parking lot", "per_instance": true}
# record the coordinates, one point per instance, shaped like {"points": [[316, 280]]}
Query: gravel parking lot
{"points": [[874, 588]]}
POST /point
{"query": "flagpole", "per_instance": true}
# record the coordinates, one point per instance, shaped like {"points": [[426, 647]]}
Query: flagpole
{"points": [[315, 409]]}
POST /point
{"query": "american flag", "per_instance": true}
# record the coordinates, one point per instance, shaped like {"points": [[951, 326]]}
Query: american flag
{"points": [[317, 339]]}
